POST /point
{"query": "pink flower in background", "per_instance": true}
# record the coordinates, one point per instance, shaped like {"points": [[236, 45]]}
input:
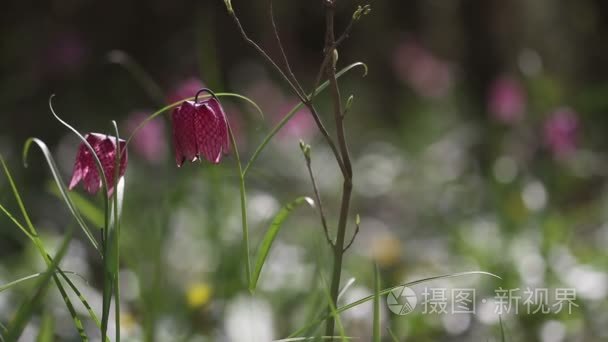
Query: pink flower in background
{"points": [[272, 100], [185, 89], [428, 75], [301, 126], [561, 131], [200, 128], [266, 94], [85, 168], [507, 100], [149, 140]]}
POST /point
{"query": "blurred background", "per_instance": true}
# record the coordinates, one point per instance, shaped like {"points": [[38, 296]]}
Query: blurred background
{"points": [[478, 140]]}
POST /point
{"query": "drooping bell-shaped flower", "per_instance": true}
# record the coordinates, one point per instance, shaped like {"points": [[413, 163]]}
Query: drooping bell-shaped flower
{"points": [[85, 168], [200, 128]]}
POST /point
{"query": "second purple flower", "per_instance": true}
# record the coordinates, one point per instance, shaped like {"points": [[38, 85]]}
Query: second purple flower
{"points": [[200, 128]]}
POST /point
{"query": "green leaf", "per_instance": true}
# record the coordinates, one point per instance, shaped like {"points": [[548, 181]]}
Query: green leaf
{"points": [[17, 223], [293, 112], [83, 300], [47, 328], [376, 325], [271, 234], [43, 253], [387, 291], [61, 186], [29, 306]]}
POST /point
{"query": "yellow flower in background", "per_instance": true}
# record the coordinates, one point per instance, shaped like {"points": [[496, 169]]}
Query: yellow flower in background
{"points": [[198, 295], [386, 250], [128, 322]]}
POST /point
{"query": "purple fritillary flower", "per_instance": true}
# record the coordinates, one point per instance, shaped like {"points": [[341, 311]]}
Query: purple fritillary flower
{"points": [[200, 129], [148, 142], [185, 89], [561, 131], [85, 168], [507, 100]]}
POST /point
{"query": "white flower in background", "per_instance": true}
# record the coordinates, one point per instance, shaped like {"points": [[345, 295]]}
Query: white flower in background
{"points": [[285, 268], [261, 207], [249, 320]]}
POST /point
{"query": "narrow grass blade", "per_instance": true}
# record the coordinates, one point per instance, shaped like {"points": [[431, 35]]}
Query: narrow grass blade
{"points": [[18, 199], [17, 223], [61, 186], [26, 278], [334, 312], [376, 336], [40, 246], [271, 234], [345, 288], [293, 112], [27, 308], [387, 291], [83, 300]]}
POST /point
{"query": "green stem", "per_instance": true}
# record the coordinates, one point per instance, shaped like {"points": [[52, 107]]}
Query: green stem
{"points": [[243, 207], [347, 186], [117, 196]]}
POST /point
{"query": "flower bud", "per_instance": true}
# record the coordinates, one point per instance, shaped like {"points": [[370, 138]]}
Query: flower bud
{"points": [[229, 6], [335, 57], [361, 11], [305, 150], [349, 103]]}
